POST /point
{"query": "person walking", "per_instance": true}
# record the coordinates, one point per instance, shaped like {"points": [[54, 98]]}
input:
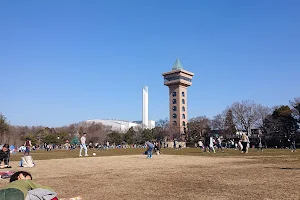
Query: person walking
{"points": [[245, 141], [83, 145], [27, 145]]}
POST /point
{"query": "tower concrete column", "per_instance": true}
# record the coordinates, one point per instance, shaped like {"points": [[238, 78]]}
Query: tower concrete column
{"points": [[145, 121]]}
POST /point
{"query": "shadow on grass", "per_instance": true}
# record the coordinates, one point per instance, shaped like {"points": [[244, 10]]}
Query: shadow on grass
{"points": [[290, 168]]}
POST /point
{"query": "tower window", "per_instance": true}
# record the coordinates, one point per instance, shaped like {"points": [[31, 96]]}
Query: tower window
{"points": [[183, 101], [183, 94], [174, 123], [174, 94], [183, 123], [174, 101], [174, 115], [183, 109], [183, 116], [174, 108]]}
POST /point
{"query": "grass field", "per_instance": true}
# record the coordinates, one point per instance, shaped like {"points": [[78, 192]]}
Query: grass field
{"points": [[177, 174], [60, 154]]}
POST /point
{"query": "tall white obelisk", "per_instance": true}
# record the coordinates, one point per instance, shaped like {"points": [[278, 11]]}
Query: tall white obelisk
{"points": [[145, 107]]}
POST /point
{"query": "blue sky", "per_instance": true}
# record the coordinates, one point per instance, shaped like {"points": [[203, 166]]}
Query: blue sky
{"points": [[64, 61]]}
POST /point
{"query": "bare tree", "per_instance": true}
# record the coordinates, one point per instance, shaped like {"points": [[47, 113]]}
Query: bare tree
{"points": [[262, 112], [218, 122], [248, 114], [162, 123], [4, 128], [197, 127]]}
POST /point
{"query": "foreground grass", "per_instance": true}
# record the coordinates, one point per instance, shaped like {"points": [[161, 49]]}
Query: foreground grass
{"points": [[266, 155]]}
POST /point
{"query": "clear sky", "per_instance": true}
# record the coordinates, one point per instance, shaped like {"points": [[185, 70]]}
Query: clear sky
{"points": [[64, 61]]}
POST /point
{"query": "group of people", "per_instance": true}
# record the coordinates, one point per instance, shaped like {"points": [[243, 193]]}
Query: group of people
{"points": [[5, 154], [210, 143], [152, 147], [156, 146]]}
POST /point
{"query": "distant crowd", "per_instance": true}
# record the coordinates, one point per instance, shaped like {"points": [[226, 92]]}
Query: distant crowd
{"points": [[209, 143]]}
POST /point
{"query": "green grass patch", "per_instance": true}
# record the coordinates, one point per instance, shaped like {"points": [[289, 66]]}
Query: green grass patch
{"points": [[60, 154]]}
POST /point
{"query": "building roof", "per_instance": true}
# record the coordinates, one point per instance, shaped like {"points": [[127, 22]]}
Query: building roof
{"points": [[177, 65]]}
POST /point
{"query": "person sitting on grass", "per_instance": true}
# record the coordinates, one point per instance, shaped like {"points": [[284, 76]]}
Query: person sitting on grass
{"points": [[4, 156]]}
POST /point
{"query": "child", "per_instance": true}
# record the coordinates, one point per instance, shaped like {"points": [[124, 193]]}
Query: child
{"points": [[4, 156]]}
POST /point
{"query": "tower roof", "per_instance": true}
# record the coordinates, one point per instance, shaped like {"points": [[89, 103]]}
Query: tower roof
{"points": [[177, 65]]}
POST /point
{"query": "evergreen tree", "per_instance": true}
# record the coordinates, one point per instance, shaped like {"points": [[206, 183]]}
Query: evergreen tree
{"points": [[286, 123], [75, 141], [229, 123], [115, 137], [296, 108], [147, 135], [129, 136]]}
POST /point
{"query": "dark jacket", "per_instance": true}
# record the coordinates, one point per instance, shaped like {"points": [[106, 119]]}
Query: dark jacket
{"points": [[4, 154]]}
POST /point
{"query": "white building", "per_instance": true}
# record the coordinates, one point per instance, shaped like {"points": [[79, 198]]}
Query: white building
{"points": [[120, 125]]}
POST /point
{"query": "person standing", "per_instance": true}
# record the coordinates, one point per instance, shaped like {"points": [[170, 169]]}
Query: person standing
{"points": [[292, 140], [83, 145], [206, 143], [259, 143], [211, 144], [219, 144], [27, 145]]}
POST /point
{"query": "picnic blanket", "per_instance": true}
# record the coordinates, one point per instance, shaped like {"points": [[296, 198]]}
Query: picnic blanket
{"points": [[6, 174]]}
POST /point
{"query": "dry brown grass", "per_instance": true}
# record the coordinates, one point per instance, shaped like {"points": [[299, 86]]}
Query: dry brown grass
{"points": [[170, 177]]}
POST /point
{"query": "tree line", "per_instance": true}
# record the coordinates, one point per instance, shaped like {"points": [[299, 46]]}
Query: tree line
{"points": [[277, 123]]}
